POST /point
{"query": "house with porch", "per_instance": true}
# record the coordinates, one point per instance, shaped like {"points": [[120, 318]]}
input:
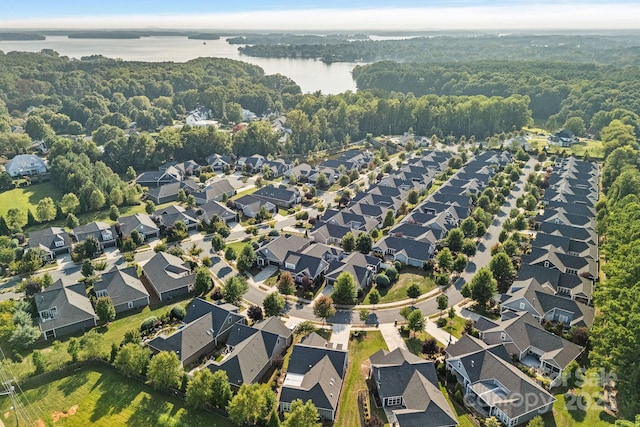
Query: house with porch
{"points": [[167, 217], [409, 390], [316, 372], [53, 241], [169, 276], [63, 310], [105, 233], [305, 268], [123, 287]]}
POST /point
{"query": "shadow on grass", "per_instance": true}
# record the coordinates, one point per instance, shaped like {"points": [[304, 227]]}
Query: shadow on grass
{"points": [[146, 413], [115, 395], [73, 383]]}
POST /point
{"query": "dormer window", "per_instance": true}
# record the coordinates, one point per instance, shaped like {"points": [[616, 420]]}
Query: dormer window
{"points": [[106, 235], [521, 306], [503, 336], [59, 243], [101, 293], [289, 265], [546, 264]]}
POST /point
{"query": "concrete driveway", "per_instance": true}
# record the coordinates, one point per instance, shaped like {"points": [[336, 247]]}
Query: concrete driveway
{"points": [[265, 273]]}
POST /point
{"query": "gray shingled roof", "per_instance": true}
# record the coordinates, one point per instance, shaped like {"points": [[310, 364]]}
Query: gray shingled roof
{"points": [[48, 236], [71, 303], [187, 341], [167, 272], [121, 285]]}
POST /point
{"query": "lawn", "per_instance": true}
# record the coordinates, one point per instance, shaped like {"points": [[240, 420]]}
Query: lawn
{"points": [[414, 342], [463, 417], [360, 349], [27, 197], [455, 326], [398, 291], [102, 397], [244, 193], [593, 415]]}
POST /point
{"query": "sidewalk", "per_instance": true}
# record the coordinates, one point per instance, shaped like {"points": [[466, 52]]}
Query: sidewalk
{"points": [[441, 335]]}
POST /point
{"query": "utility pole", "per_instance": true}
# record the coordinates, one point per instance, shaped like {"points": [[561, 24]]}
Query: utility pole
{"points": [[9, 390]]}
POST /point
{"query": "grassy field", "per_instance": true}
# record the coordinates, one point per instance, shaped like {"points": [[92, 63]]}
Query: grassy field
{"points": [[414, 342], [244, 193], [398, 291], [359, 350], [463, 417], [593, 415], [98, 396], [455, 326], [27, 197]]}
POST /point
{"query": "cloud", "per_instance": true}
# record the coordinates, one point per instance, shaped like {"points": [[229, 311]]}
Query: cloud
{"points": [[563, 16]]}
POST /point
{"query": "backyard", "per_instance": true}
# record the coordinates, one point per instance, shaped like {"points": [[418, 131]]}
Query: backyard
{"points": [[360, 348], [398, 291], [98, 396]]}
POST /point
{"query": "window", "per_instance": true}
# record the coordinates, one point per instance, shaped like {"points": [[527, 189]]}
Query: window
{"points": [[289, 265], [546, 264], [59, 243], [521, 306], [130, 304], [101, 293], [571, 271], [563, 318], [394, 401], [106, 235], [503, 336], [286, 406]]}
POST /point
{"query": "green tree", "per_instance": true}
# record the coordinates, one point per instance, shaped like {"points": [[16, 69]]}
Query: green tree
{"points": [[46, 210], [374, 297], [323, 307], [87, 269], [469, 227], [322, 181], [286, 284], [200, 389], [389, 219], [203, 281], [105, 310], [114, 213], [246, 259], [413, 291], [348, 242], [364, 243], [536, 421], [483, 286], [70, 203], [149, 207], [72, 221], [302, 415], [220, 389], [96, 200], [73, 349], [165, 370], [445, 259], [345, 290], [38, 362], [492, 422], [252, 405], [273, 304], [217, 242], [229, 253], [503, 271], [131, 173], [460, 263], [413, 197], [415, 321], [443, 301], [575, 125], [234, 288], [132, 359], [455, 239]]}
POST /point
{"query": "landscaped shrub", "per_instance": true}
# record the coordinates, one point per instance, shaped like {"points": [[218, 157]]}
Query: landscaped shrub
{"points": [[392, 274], [382, 280], [441, 322], [148, 323], [178, 312]]}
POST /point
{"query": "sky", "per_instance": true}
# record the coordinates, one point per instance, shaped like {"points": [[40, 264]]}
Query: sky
{"points": [[390, 15]]}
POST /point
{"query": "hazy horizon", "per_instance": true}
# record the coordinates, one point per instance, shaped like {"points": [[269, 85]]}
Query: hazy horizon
{"points": [[286, 15]]}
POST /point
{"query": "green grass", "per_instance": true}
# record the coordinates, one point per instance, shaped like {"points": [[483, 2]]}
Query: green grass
{"points": [[244, 193], [414, 342], [455, 326], [237, 246], [105, 398], [594, 414], [360, 349], [464, 420], [398, 291], [27, 197]]}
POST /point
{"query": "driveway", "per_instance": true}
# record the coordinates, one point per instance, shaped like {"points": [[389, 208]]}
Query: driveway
{"points": [[392, 336], [265, 273], [340, 335]]}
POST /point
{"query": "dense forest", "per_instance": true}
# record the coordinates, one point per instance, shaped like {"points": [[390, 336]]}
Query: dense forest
{"points": [[557, 90], [295, 39], [619, 49], [616, 329]]}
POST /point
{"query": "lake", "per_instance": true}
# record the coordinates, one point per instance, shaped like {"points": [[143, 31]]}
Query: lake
{"points": [[309, 74]]}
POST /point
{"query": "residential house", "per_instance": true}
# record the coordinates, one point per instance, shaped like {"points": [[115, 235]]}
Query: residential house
{"points": [[568, 285], [408, 387], [563, 138], [305, 268], [123, 287], [105, 233], [216, 190], [168, 276], [315, 373], [160, 177], [251, 351], [356, 264], [574, 233], [142, 223], [568, 245], [328, 233], [167, 217], [169, 192], [252, 164], [523, 336], [328, 253], [186, 169], [251, 205], [275, 251], [302, 172], [542, 302], [63, 310], [206, 326], [556, 258], [201, 116], [211, 210], [53, 241], [25, 164], [281, 197], [220, 162], [493, 385], [407, 251]]}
